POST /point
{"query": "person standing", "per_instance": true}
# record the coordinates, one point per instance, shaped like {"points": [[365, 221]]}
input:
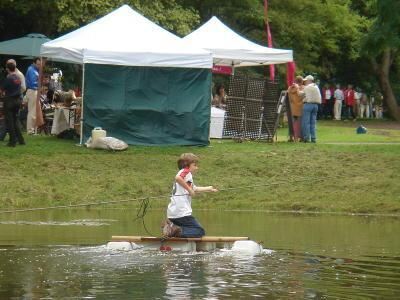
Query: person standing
{"points": [[339, 97], [296, 107], [19, 74], [12, 102], [312, 98], [327, 96], [32, 84], [4, 129], [357, 96], [364, 106], [349, 100]]}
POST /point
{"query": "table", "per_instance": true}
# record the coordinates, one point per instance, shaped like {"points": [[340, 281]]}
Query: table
{"points": [[64, 118], [217, 122]]}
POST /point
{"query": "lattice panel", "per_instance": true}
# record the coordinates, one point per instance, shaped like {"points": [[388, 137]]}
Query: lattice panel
{"points": [[251, 110]]}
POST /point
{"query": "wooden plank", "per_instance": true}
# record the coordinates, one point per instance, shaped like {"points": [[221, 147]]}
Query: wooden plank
{"points": [[224, 238], [210, 239], [136, 239]]}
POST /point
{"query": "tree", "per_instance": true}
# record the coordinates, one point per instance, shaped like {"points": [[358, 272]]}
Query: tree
{"points": [[18, 18], [54, 18], [382, 45], [167, 13], [324, 35]]}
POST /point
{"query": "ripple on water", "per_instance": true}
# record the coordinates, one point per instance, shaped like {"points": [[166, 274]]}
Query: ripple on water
{"points": [[90, 272], [82, 222]]}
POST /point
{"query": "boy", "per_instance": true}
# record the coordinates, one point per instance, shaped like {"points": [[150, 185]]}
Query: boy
{"points": [[180, 221]]}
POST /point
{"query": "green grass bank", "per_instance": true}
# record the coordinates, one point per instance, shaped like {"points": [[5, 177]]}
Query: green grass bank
{"points": [[343, 172]]}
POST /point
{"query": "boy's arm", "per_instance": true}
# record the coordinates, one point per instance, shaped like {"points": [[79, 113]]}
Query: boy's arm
{"points": [[183, 183], [205, 189]]}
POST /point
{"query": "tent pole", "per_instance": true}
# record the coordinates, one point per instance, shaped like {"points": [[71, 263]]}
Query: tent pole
{"points": [[83, 98]]}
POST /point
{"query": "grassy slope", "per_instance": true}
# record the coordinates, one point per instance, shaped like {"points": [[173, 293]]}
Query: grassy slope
{"points": [[322, 177]]}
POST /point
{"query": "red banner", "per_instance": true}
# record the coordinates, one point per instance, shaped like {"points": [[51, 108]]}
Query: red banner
{"points": [[222, 70], [291, 70], [269, 38]]}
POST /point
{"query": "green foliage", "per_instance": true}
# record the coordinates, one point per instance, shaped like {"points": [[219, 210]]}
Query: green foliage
{"points": [[21, 17], [56, 17], [170, 15], [167, 13], [384, 32], [323, 34]]}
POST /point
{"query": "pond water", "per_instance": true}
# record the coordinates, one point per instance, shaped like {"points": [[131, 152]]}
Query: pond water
{"points": [[62, 254]]}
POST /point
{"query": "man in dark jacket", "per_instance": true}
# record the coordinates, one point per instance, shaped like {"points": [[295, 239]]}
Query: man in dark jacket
{"points": [[11, 88]]}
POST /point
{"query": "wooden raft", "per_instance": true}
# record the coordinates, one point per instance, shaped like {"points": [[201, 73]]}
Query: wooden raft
{"points": [[209, 239]]}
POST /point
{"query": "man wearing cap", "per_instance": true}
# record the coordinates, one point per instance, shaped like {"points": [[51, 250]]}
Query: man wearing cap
{"points": [[312, 98]]}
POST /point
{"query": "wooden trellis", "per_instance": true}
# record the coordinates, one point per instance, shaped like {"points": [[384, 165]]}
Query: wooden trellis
{"points": [[252, 109]]}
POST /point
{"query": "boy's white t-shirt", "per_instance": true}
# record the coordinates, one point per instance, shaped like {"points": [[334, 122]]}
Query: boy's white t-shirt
{"points": [[181, 202]]}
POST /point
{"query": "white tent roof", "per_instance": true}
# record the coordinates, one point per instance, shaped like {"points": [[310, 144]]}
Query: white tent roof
{"points": [[229, 48], [125, 37]]}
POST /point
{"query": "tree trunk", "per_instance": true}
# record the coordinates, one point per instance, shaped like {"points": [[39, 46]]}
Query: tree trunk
{"points": [[388, 97], [382, 70]]}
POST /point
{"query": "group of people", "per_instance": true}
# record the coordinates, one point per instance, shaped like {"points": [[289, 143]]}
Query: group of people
{"points": [[349, 103], [19, 101], [305, 98], [308, 103]]}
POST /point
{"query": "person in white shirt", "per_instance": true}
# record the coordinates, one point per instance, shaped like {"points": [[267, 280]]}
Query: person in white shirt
{"points": [[312, 98], [357, 97], [180, 222], [339, 97]]}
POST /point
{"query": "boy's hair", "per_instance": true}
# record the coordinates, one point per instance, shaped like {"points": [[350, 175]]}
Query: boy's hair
{"points": [[186, 159]]}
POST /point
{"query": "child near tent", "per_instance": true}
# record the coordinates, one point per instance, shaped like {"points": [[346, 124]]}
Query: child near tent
{"points": [[180, 222]]}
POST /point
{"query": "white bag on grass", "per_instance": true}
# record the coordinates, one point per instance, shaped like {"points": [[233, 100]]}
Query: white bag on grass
{"points": [[107, 143]]}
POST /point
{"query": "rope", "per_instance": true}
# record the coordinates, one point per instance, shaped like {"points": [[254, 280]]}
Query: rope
{"points": [[141, 213], [145, 201]]}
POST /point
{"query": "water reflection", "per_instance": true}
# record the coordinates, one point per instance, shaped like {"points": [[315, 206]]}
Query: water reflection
{"points": [[315, 257], [95, 272], [83, 222]]}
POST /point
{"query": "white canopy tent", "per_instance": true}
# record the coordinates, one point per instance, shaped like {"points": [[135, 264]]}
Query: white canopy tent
{"points": [[141, 83], [125, 37], [231, 49]]}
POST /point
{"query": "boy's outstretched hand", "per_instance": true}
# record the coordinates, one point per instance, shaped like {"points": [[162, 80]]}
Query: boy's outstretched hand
{"points": [[206, 189], [213, 189]]}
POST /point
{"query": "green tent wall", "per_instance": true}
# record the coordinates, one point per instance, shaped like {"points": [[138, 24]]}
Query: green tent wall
{"points": [[148, 105]]}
